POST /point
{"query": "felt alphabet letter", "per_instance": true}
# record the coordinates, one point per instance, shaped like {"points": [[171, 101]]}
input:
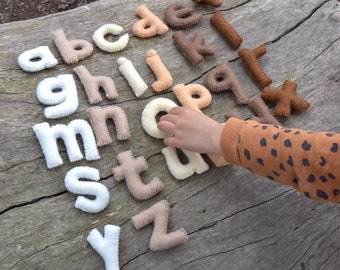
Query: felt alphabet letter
{"points": [[226, 30], [223, 78], [164, 78], [250, 60], [213, 3], [159, 215], [149, 113], [194, 96], [107, 246], [47, 137], [180, 16], [44, 56], [74, 185], [133, 78], [107, 46], [129, 169], [181, 171], [262, 112], [72, 51], [150, 25], [65, 101], [195, 50], [98, 117], [92, 85]]}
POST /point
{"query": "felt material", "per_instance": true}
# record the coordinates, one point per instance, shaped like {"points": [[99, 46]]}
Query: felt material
{"points": [[133, 78], [180, 16], [285, 99], [222, 78], [219, 161], [130, 169], [305, 160], [108, 46], [233, 113], [107, 246], [181, 171], [98, 117], [150, 112], [93, 84], [150, 25], [63, 102], [262, 112], [250, 60], [160, 238], [193, 96], [43, 53], [195, 50], [47, 137], [226, 30], [164, 78], [213, 3], [74, 185], [71, 51]]}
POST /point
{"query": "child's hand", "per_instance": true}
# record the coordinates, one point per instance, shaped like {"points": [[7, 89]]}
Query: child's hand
{"points": [[191, 130]]}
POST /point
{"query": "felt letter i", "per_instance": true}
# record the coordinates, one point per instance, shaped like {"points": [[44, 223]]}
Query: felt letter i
{"points": [[107, 246], [132, 76]]}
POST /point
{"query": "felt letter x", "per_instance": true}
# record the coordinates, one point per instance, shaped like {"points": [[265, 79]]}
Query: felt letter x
{"points": [[285, 99], [129, 170]]}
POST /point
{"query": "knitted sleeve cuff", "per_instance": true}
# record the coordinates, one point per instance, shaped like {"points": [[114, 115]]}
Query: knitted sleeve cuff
{"points": [[229, 140]]}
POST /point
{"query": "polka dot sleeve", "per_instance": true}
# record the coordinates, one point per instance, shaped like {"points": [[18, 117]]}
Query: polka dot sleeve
{"points": [[307, 161]]}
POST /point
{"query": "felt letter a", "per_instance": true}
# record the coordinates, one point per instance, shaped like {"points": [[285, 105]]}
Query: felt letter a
{"points": [[44, 56], [107, 246], [71, 51]]}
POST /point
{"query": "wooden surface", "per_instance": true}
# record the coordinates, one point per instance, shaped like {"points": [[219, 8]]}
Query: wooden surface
{"points": [[235, 220]]}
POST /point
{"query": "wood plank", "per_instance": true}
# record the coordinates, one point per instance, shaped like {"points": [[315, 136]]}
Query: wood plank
{"points": [[246, 223]]}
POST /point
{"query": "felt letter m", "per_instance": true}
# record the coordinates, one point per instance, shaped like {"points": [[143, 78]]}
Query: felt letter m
{"points": [[47, 137]]}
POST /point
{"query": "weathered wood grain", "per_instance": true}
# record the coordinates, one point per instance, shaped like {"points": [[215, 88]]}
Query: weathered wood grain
{"points": [[235, 220]]}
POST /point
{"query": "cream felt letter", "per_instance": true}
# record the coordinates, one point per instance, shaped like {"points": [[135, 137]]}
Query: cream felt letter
{"points": [[43, 55]]}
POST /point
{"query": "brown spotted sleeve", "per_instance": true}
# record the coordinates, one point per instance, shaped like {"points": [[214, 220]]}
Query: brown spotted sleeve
{"points": [[308, 161]]}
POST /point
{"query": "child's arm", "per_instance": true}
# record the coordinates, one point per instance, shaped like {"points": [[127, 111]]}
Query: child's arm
{"points": [[310, 162]]}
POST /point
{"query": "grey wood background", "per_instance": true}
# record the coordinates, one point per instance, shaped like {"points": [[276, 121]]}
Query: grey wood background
{"points": [[235, 220]]}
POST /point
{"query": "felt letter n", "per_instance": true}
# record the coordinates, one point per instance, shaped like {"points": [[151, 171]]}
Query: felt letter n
{"points": [[71, 51], [47, 137], [98, 117]]}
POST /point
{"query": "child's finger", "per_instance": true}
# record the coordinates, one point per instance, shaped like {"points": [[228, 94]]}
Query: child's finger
{"points": [[176, 110], [166, 126], [169, 118]]}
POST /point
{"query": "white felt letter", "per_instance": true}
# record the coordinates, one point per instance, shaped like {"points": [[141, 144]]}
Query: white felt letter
{"points": [[47, 137], [74, 185], [60, 91], [107, 46], [107, 246], [43, 55], [149, 113], [132, 76], [181, 171]]}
